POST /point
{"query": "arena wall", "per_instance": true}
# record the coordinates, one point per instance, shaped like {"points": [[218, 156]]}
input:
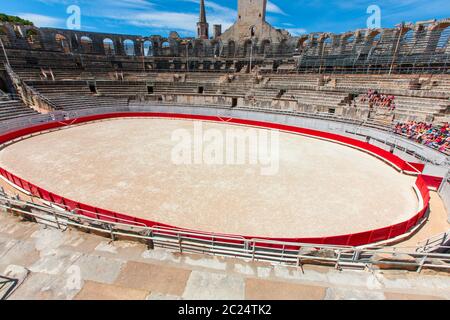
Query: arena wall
{"points": [[363, 238]]}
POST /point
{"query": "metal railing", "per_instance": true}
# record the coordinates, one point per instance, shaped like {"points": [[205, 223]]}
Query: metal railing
{"points": [[439, 242], [29, 94], [7, 286], [286, 253]]}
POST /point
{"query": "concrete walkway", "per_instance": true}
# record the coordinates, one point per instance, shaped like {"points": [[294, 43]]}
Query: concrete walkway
{"points": [[51, 264]]}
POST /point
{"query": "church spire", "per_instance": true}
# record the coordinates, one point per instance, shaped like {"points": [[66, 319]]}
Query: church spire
{"points": [[202, 25], [202, 12]]}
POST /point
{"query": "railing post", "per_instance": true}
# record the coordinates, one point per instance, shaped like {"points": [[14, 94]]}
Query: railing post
{"points": [[422, 263], [180, 245], [111, 229], [150, 242], [253, 251], [338, 258], [56, 219], [356, 255]]}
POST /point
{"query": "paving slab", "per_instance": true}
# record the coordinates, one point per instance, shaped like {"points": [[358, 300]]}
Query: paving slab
{"points": [[215, 286], [407, 296], [154, 278], [256, 289], [100, 291], [99, 269]]}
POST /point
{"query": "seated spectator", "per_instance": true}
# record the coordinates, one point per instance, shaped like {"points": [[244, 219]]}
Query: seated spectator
{"points": [[436, 137], [375, 99]]}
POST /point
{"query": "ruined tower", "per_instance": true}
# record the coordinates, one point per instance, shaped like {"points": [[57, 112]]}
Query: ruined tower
{"points": [[252, 11], [202, 25], [251, 25]]}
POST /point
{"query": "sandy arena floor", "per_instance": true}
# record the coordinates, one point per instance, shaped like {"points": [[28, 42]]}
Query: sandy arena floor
{"points": [[322, 188]]}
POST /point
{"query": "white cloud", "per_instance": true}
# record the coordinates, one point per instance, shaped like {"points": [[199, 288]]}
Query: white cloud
{"points": [[42, 21], [273, 8], [297, 31]]}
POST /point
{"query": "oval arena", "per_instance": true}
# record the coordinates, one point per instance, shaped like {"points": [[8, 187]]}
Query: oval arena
{"points": [[122, 165], [243, 161]]}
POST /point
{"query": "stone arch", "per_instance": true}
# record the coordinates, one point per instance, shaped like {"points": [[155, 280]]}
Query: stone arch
{"points": [[372, 34], [217, 49], [325, 43], [443, 40], [407, 35], [199, 49], [407, 39], [62, 42], [108, 46], [231, 48], [377, 38], [148, 48], [87, 44], [128, 47], [247, 48], [189, 49], [348, 42], [282, 47], [265, 47], [301, 44], [166, 49]]}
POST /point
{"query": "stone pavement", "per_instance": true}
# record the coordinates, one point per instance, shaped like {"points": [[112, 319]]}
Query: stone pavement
{"points": [[51, 264]]}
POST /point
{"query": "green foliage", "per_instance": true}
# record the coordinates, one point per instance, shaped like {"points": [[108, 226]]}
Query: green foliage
{"points": [[14, 20]]}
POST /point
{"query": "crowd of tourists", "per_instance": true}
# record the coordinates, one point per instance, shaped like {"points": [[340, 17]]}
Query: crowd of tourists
{"points": [[437, 137], [379, 100]]}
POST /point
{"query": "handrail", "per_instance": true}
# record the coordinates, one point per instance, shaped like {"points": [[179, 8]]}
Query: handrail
{"points": [[434, 243], [9, 284], [283, 252], [25, 87]]}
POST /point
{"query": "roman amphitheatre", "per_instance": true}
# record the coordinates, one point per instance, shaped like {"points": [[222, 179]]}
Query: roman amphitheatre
{"points": [[361, 186]]}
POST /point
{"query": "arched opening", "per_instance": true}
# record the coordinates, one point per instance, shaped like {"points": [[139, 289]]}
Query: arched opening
{"points": [[408, 36], [217, 49], [282, 48], [443, 41], [265, 48], [165, 48], [247, 48], [148, 48], [231, 48], [4, 36], [199, 49], [63, 43], [348, 42], [108, 46], [189, 49], [326, 44], [407, 41], [376, 38], [128, 47], [33, 40], [86, 44], [301, 44]]}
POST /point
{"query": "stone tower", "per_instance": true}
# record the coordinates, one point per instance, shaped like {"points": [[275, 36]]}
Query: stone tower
{"points": [[202, 25], [252, 11], [252, 26]]}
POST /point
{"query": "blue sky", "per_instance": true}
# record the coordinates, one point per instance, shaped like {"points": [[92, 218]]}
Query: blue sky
{"points": [[148, 17]]}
